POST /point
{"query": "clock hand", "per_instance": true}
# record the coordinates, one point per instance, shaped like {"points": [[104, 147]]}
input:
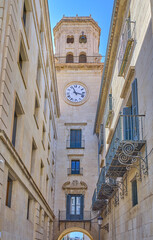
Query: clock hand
{"points": [[74, 91]]}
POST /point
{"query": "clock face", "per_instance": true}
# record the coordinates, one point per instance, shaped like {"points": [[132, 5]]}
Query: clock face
{"points": [[75, 93]]}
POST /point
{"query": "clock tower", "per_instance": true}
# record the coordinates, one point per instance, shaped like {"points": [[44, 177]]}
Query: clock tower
{"points": [[79, 69]]}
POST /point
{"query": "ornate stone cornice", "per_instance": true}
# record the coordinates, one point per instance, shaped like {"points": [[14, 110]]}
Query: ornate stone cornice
{"points": [[77, 20], [89, 66]]}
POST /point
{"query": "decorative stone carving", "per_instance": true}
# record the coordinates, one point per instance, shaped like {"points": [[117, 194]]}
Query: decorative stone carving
{"points": [[75, 185]]}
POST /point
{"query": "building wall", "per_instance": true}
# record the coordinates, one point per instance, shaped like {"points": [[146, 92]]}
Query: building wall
{"points": [[126, 221], [30, 162]]}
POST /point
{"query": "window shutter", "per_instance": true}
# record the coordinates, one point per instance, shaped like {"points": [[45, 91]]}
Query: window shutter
{"points": [[134, 193], [78, 138], [135, 110], [127, 123], [82, 207], [68, 207]]}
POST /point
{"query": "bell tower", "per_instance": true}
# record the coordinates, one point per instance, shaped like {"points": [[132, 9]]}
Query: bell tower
{"points": [[79, 69]]}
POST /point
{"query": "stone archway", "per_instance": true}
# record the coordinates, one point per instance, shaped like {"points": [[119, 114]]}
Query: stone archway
{"points": [[74, 229]]}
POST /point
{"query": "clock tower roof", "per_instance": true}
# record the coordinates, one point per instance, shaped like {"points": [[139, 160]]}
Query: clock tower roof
{"points": [[77, 20]]}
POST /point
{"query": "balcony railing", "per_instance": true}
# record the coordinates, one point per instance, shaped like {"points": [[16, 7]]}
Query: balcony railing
{"points": [[71, 171], [98, 204], [109, 111], [126, 143], [126, 44], [75, 59], [105, 185], [86, 217], [77, 145]]}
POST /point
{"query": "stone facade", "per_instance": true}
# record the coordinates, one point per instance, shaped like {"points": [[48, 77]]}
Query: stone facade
{"points": [[125, 118], [29, 109], [76, 116]]}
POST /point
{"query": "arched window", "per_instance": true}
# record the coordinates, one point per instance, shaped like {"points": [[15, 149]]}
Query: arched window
{"points": [[70, 39], [82, 58], [69, 58]]}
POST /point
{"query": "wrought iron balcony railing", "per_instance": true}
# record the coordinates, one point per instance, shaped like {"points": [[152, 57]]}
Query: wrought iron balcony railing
{"points": [[105, 185], [98, 204], [76, 59], [71, 171], [126, 43], [109, 111], [79, 144], [85, 217], [125, 146]]}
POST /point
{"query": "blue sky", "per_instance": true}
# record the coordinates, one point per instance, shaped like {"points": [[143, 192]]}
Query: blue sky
{"points": [[100, 10]]}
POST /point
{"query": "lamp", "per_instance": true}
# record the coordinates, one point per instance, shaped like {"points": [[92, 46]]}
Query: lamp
{"points": [[106, 227], [100, 219]]}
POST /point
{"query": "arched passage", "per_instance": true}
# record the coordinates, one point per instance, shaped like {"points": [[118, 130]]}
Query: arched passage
{"points": [[74, 229]]}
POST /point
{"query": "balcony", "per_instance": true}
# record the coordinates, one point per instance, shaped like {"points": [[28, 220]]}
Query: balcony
{"points": [[75, 145], [109, 111], [125, 146], [126, 44], [98, 204], [105, 190], [71, 171], [85, 217]]}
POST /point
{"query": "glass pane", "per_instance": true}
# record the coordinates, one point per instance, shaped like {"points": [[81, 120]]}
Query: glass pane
{"points": [[72, 206], [77, 210]]}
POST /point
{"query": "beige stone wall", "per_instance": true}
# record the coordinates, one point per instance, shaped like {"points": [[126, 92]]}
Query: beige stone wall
{"points": [[20, 84], [126, 221]]}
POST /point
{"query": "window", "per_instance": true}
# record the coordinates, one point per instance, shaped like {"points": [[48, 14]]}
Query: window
{"points": [[130, 119], [75, 167], [47, 180], [23, 61], [38, 78], [28, 208], [75, 138], [14, 128], [82, 58], [74, 208], [9, 192], [45, 104], [24, 14], [41, 174], [18, 111], [33, 157], [40, 216], [134, 193], [70, 39], [69, 58], [36, 110], [43, 136]]}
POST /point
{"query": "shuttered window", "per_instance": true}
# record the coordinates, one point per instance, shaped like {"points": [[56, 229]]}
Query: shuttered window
{"points": [[69, 58], [74, 208], [75, 167], [134, 193], [75, 138], [9, 192], [135, 110], [82, 58]]}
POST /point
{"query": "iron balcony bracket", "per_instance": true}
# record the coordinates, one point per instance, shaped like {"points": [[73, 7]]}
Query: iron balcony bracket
{"points": [[129, 157]]}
